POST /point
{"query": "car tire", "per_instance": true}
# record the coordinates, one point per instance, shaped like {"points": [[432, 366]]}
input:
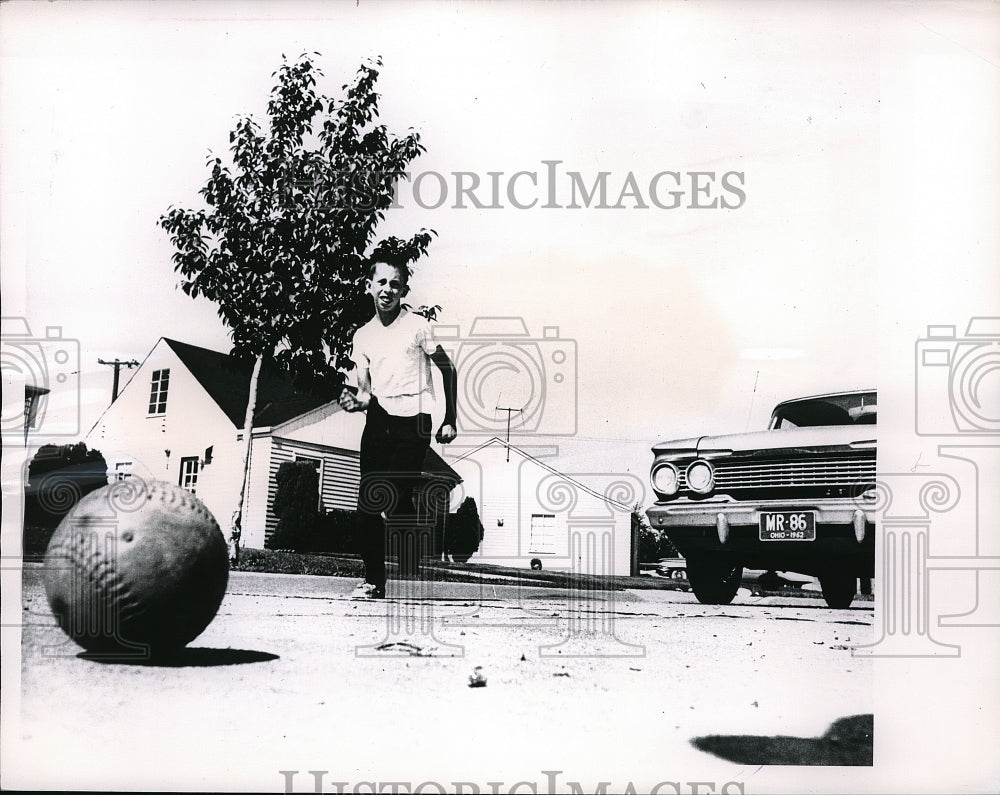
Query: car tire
{"points": [[678, 574], [714, 582], [838, 589]]}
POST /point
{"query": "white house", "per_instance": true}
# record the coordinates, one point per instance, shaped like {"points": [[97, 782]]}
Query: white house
{"points": [[531, 510], [180, 419]]}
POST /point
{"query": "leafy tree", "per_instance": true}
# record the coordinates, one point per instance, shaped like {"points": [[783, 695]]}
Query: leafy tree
{"points": [[283, 246], [52, 456]]}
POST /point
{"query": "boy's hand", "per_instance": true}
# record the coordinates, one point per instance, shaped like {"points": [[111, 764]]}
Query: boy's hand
{"points": [[349, 401], [446, 433]]}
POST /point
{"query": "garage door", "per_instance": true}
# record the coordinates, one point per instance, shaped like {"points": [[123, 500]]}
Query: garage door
{"points": [[543, 534]]}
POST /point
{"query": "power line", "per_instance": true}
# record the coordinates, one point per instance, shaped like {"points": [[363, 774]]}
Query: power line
{"points": [[118, 365]]}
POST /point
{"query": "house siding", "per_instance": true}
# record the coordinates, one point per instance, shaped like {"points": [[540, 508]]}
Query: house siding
{"points": [[193, 422], [341, 476], [589, 534], [255, 503], [126, 434]]}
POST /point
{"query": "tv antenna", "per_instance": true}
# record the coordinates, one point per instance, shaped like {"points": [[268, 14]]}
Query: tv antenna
{"points": [[509, 412]]}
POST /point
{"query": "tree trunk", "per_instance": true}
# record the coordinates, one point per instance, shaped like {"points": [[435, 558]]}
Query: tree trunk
{"points": [[236, 530]]}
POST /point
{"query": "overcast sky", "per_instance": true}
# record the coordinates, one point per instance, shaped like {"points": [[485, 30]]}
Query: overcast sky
{"points": [[675, 314], [683, 321]]}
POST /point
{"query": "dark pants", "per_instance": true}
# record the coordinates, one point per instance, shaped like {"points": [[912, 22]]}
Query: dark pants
{"points": [[392, 457]]}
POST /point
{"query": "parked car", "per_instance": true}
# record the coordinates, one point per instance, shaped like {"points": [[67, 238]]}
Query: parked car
{"points": [[674, 568], [797, 497]]}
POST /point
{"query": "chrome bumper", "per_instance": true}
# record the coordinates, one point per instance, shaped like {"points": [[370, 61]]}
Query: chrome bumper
{"points": [[724, 514]]}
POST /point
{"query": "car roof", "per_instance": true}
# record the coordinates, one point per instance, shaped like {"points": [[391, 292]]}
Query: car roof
{"points": [[829, 395]]}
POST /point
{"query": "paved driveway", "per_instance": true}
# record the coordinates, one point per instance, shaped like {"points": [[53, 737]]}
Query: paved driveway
{"points": [[293, 676]]}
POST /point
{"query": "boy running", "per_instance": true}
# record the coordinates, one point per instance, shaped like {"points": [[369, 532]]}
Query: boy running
{"points": [[392, 353]]}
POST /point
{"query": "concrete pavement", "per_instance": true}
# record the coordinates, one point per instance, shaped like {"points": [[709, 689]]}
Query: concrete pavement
{"points": [[293, 676]]}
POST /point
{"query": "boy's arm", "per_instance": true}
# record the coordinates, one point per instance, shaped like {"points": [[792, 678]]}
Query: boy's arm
{"points": [[447, 432], [357, 399], [351, 401]]}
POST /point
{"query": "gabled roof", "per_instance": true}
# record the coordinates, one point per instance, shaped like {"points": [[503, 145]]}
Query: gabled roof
{"points": [[227, 380], [436, 468], [528, 457]]}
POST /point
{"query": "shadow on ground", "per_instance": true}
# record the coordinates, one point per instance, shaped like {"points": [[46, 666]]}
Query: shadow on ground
{"points": [[185, 658], [848, 741]]}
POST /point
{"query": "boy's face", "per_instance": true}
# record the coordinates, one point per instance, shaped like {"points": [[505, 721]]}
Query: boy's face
{"points": [[386, 287]]}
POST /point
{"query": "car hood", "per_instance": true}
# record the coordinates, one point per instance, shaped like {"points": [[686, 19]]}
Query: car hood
{"points": [[828, 437]]}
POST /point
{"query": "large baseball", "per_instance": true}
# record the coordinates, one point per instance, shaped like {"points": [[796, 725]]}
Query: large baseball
{"points": [[136, 567]]}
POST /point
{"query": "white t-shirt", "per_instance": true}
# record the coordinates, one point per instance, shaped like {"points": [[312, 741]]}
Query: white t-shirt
{"points": [[397, 359]]}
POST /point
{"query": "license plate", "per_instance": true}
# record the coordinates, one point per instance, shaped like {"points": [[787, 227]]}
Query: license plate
{"points": [[788, 526]]}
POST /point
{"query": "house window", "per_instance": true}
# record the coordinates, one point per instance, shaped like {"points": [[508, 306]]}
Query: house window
{"points": [[189, 473], [123, 470], [543, 534], [158, 392]]}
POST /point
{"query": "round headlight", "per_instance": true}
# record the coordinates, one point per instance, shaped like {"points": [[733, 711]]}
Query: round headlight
{"points": [[700, 477], [665, 479]]}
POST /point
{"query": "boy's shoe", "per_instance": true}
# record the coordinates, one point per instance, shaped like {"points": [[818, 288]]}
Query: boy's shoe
{"points": [[366, 590]]}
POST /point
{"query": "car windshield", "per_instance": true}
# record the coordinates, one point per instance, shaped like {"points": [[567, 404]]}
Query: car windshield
{"points": [[855, 408]]}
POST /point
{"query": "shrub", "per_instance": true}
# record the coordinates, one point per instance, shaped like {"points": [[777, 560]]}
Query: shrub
{"points": [[464, 531], [653, 544], [337, 531], [296, 504]]}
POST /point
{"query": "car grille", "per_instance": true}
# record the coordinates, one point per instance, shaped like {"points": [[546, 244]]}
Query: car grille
{"points": [[833, 476]]}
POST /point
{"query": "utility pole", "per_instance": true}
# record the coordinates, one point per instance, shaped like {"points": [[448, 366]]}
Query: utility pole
{"points": [[118, 365], [509, 412]]}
